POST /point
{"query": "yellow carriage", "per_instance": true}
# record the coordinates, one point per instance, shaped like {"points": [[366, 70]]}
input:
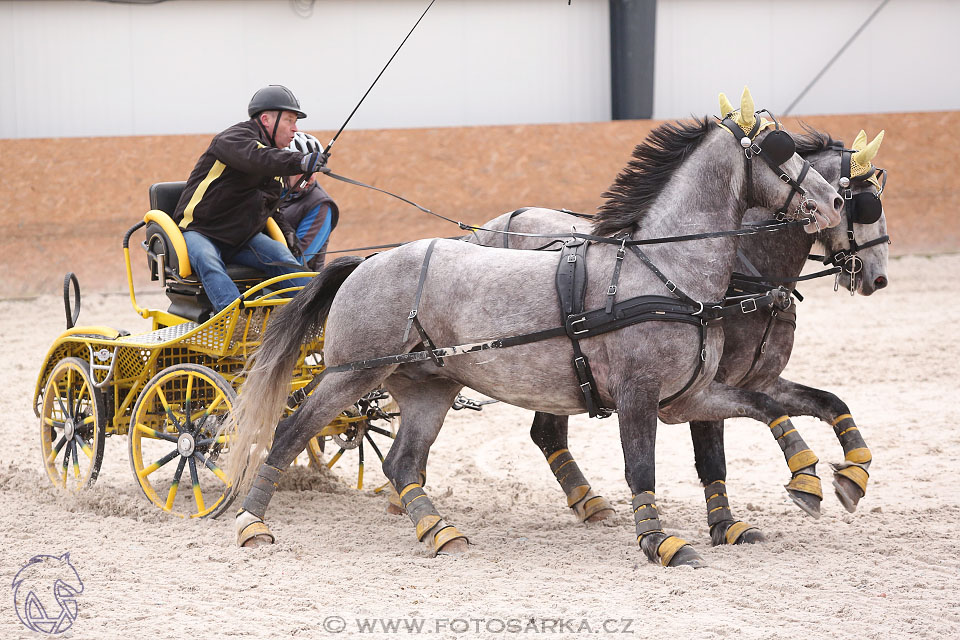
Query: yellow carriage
{"points": [[170, 389]]}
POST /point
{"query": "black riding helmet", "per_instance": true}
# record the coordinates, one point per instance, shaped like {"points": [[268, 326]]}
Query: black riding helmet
{"points": [[274, 97]]}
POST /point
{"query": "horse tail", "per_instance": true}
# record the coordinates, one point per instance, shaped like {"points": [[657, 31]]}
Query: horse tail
{"points": [[269, 370]]}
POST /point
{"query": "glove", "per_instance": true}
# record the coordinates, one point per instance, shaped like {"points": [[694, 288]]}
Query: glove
{"points": [[293, 244], [315, 162]]}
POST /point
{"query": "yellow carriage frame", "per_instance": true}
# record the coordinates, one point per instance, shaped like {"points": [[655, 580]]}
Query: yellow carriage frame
{"points": [[172, 384]]}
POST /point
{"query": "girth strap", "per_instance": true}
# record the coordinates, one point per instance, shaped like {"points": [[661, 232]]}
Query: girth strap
{"points": [[413, 320], [571, 290]]}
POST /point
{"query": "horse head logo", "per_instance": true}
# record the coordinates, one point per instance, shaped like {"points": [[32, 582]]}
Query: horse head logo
{"points": [[45, 593]]}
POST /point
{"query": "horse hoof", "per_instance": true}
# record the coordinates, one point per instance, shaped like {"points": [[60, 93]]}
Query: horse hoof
{"points": [[736, 533], [848, 493], [687, 557], [806, 501], [394, 510], [751, 536], [258, 541], [601, 515], [454, 547]]}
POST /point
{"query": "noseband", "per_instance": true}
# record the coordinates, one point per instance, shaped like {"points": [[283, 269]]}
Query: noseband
{"points": [[861, 208], [776, 149]]}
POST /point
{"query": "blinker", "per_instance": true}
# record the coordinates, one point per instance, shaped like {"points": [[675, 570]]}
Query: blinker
{"points": [[867, 208], [778, 146]]}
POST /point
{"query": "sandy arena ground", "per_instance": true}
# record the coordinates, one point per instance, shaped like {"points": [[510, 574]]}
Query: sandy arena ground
{"points": [[341, 562]]}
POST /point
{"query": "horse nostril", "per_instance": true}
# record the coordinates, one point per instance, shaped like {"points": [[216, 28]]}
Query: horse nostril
{"points": [[880, 282], [838, 204]]}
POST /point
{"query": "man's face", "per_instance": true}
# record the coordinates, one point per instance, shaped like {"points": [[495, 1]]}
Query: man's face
{"points": [[286, 128]]}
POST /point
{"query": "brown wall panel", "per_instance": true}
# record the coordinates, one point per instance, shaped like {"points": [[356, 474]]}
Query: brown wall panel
{"points": [[65, 203]]}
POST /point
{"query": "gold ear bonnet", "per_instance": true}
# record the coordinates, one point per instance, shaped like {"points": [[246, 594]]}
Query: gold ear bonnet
{"points": [[744, 116]]}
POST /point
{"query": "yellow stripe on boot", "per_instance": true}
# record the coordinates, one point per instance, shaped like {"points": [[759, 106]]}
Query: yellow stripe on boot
{"points": [[857, 475], [669, 548]]}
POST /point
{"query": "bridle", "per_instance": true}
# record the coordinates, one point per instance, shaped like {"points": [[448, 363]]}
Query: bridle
{"points": [[861, 208], [775, 150]]}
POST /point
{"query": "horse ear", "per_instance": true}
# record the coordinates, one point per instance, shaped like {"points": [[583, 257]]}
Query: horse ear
{"points": [[868, 153], [726, 107], [747, 108], [860, 141]]}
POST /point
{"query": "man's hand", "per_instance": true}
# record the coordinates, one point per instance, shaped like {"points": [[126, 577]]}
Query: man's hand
{"points": [[293, 244], [315, 162]]}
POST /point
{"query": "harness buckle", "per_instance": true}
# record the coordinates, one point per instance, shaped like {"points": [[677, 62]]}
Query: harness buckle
{"points": [[745, 305], [582, 331], [413, 314], [612, 290], [785, 178], [671, 287], [703, 354], [572, 258]]}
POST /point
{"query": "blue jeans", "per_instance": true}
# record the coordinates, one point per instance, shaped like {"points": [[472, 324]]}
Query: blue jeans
{"points": [[208, 258]]}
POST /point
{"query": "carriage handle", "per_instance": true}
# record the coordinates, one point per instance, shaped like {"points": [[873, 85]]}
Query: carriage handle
{"points": [[126, 256]]}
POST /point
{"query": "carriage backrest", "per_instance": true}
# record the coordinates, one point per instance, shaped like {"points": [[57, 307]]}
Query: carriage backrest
{"points": [[164, 196]]}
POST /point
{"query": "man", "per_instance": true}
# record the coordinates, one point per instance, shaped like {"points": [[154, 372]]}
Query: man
{"points": [[310, 211], [235, 186]]}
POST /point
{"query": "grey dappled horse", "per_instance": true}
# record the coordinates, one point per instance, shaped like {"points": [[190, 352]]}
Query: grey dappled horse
{"points": [[757, 346], [472, 293]]}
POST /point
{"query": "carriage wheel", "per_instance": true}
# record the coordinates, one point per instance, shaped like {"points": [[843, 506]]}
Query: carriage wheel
{"points": [[72, 426], [359, 437], [173, 433]]}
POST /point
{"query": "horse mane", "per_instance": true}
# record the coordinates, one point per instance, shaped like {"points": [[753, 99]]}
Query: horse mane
{"points": [[653, 163], [814, 141]]}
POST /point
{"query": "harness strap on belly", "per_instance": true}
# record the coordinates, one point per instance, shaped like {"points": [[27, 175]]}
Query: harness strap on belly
{"points": [[571, 283], [413, 320]]}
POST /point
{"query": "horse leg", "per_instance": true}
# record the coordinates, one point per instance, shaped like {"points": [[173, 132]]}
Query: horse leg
{"points": [[711, 466], [549, 433], [719, 401], [849, 477], [423, 406], [638, 436], [333, 395]]}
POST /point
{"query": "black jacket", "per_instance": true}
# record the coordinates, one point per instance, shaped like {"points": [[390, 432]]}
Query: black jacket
{"points": [[235, 187]]}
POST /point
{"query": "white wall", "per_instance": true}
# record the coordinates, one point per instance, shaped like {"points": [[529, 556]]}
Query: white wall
{"points": [[80, 68], [94, 68], [903, 61]]}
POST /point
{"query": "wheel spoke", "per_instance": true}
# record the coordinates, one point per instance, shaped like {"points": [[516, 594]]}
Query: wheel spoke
{"points": [[166, 408], [153, 433], [380, 430], [159, 463], [334, 459], [206, 442], [360, 468], [213, 405], [70, 392], [63, 409], [197, 494], [66, 464], [83, 445], [76, 463], [50, 422], [188, 401], [217, 471], [80, 393], [56, 449], [176, 483], [373, 444]]}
